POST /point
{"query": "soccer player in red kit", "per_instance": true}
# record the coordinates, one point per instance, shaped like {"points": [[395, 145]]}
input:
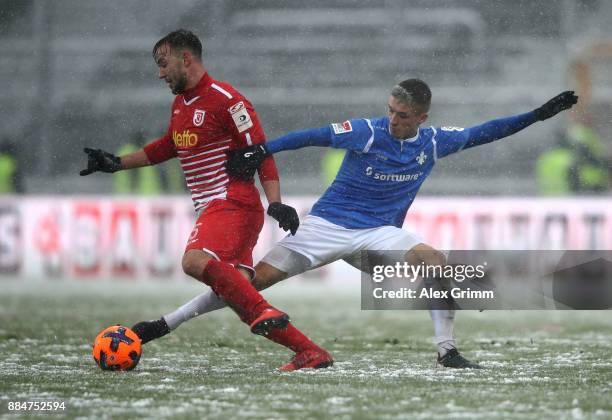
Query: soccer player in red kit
{"points": [[209, 118]]}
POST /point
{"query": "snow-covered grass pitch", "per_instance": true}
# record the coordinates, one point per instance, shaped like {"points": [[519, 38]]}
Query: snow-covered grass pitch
{"points": [[539, 364]]}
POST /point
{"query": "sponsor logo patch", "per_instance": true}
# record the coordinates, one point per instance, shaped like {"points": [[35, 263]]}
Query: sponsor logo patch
{"points": [[198, 117], [237, 107], [241, 117], [392, 177], [345, 127], [184, 139]]}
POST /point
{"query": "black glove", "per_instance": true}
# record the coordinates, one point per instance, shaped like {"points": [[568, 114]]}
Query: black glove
{"points": [[559, 103], [286, 216], [99, 160], [243, 163]]}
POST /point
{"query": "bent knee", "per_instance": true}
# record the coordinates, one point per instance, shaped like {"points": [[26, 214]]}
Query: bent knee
{"points": [[435, 258], [267, 275], [426, 254], [194, 262]]}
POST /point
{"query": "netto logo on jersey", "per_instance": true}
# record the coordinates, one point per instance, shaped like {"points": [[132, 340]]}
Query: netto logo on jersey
{"points": [[392, 177], [184, 139]]}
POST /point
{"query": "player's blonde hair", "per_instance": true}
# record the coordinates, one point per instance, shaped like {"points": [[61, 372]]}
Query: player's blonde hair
{"points": [[413, 92]]}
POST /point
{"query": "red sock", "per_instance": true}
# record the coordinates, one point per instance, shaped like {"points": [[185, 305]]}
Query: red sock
{"points": [[291, 338], [234, 289], [239, 293]]}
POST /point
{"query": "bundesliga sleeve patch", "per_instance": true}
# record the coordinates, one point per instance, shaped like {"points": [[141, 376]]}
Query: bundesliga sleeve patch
{"points": [[345, 127], [241, 117]]}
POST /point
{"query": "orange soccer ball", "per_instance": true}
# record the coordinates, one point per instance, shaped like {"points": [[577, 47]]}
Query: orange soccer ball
{"points": [[117, 348]]}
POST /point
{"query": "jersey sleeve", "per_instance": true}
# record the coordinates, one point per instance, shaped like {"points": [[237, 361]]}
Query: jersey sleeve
{"points": [[449, 140], [246, 130], [268, 171], [161, 150], [243, 123], [352, 135], [453, 139]]}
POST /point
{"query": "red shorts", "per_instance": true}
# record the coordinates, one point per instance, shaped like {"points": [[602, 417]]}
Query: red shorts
{"points": [[227, 231]]}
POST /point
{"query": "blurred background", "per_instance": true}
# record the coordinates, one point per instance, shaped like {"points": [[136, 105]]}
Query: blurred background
{"points": [[79, 73]]}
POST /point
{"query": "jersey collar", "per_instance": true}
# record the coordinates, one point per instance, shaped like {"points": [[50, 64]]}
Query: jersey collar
{"points": [[409, 140], [412, 139], [198, 89]]}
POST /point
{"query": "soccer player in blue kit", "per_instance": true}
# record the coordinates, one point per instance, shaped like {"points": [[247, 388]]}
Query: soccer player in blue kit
{"points": [[387, 161]]}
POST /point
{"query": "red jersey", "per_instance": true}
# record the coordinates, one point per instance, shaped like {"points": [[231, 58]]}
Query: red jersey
{"points": [[206, 122]]}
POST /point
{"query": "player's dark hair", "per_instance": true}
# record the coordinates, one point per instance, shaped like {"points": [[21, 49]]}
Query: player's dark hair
{"points": [[413, 92], [181, 39]]}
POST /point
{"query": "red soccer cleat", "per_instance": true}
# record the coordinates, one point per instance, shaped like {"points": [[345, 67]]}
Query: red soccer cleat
{"points": [[269, 319], [309, 359]]}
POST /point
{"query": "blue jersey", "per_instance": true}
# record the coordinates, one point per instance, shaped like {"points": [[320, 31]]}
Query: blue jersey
{"points": [[381, 175]]}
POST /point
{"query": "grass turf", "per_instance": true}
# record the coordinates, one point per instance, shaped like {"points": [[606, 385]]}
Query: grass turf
{"points": [[539, 364]]}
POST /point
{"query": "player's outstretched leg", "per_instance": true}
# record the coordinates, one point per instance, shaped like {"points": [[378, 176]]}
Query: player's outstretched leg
{"points": [[264, 319], [227, 282], [308, 354], [199, 305], [444, 321], [442, 311], [150, 330], [242, 297]]}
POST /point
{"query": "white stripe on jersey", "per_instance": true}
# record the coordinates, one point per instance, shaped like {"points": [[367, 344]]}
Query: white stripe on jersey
{"points": [[435, 144], [202, 194], [366, 149], [212, 188], [183, 159], [205, 172], [205, 166], [188, 153], [200, 176], [203, 203], [220, 89], [200, 161], [209, 174], [208, 187], [248, 139]]}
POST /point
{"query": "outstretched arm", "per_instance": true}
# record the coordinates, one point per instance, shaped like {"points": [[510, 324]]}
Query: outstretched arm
{"points": [[351, 135], [452, 139], [303, 138], [504, 127], [497, 129], [155, 152], [243, 163]]}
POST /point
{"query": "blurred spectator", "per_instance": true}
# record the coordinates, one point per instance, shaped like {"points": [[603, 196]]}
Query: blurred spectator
{"points": [[11, 174], [148, 180], [330, 164], [577, 165], [172, 177]]}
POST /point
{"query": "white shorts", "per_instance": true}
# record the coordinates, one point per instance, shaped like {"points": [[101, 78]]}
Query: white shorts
{"points": [[319, 242]]}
